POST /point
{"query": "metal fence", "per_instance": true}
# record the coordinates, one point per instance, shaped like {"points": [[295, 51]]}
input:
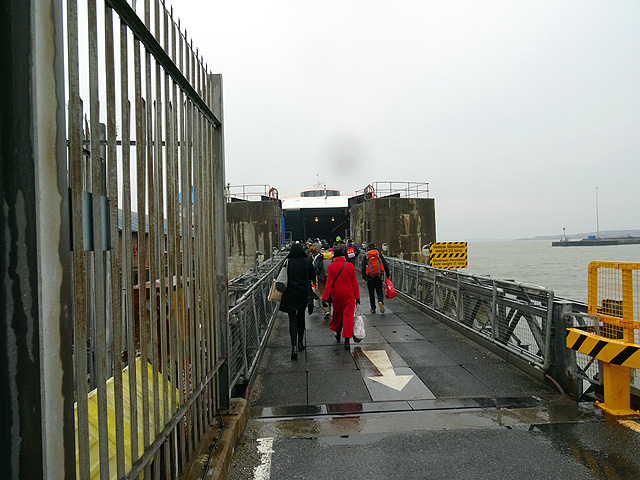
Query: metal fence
{"points": [[515, 316], [400, 189], [140, 190], [250, 317], [145, 296], [613, 312]]}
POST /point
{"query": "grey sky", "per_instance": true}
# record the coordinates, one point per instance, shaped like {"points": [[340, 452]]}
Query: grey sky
{"points": [[512, 111]]}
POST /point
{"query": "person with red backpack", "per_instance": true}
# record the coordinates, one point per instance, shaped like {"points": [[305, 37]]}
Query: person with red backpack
{"points": [[351, 252], [374, 268]]}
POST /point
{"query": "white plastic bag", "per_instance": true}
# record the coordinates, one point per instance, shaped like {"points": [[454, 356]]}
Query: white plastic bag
{"points": [[358, 326]]}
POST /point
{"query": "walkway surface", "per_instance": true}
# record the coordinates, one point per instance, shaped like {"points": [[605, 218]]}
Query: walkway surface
{"points": [[417, 400]]}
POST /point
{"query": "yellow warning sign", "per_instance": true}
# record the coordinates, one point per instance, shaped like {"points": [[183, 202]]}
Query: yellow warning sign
{"points": [[448, 255]]}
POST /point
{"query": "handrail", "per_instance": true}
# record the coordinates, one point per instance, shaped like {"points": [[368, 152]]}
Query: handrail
{"points": [[251, 318], [514, 316]]}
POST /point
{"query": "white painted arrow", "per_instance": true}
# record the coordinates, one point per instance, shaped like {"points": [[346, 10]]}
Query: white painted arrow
{"points": [[389, 378]]}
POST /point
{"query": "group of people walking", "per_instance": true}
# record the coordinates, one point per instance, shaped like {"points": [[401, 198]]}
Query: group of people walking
{"points": [[332, 271]]}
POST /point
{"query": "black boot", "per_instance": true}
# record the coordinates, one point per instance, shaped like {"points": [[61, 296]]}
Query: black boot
{"points": [[301, 347], [338, 337], [294, 353], [346, 344]]}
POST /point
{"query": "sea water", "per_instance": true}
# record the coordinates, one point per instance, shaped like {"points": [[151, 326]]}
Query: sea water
{"points": [[561, 269]]}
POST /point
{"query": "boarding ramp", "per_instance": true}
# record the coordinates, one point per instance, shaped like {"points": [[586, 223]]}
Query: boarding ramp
{"points": [[453, 369]]}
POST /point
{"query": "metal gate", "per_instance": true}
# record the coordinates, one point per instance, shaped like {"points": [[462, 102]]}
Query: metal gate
{"points": [[115, 209]]}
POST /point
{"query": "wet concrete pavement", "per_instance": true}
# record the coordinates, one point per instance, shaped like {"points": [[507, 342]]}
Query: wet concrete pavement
{"points": [[416, 399]]}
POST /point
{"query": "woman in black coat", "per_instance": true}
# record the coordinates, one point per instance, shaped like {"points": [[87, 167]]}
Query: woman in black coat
{"points": [[295, 298]]}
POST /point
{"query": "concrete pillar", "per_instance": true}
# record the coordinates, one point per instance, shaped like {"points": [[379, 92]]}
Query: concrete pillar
{"points": [[36, 378], [406, 224]]}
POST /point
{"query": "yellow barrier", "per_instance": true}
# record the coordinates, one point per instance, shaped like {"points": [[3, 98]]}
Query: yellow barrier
{"points": [[610, 351], [614, 299], [94, 455]]}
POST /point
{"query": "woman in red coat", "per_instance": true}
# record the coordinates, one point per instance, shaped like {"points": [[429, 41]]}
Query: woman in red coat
{"points": [[342, 287]]}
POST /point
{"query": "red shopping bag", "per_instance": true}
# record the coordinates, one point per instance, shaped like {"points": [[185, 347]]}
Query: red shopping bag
{"points": [[389, 291]]}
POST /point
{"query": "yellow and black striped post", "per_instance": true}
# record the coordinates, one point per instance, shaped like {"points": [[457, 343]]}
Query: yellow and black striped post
{"points": [[611, 301], [617, 357]]}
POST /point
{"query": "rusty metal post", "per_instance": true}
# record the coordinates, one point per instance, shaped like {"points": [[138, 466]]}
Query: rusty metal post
{"points": [[562, 365], [36, 380]]}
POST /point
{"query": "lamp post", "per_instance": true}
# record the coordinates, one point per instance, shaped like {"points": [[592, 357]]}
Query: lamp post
{"points": [[597, 217]]}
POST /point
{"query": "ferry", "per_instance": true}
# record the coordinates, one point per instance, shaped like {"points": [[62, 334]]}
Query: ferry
{"points": [[318, 212]]}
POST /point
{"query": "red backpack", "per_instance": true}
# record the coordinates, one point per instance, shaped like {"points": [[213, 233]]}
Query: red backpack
{"points": [[374, 265]]}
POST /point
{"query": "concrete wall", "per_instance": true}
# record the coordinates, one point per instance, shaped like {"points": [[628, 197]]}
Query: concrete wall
{"points": [[406, 224], [251, 227]]}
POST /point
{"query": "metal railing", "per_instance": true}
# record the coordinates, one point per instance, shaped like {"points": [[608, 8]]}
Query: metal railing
{"points": [[588, 369], [254, 193], [401, 189], [250, 317], [515, 316]]}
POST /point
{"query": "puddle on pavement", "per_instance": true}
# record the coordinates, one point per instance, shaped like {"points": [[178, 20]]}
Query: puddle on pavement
{"points": [[394, 422]]}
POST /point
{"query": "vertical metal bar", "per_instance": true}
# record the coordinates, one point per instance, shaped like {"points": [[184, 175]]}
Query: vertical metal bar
{"points": [[177, 117], [244, 340], [435, 287], [187, 196], [192, 245], [191, 257], [172, 273], [160, 216], [220, 246], [98, 254], [210, 262], [404, 278], [459, 304], [127, 256], [593, 288], [198, 260], [114, 254], [548, 330], [142, 240], [210, 282], [495, 328], [184, 246], [201, 300], [75, 181], [152, 241], [627, 303]]}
